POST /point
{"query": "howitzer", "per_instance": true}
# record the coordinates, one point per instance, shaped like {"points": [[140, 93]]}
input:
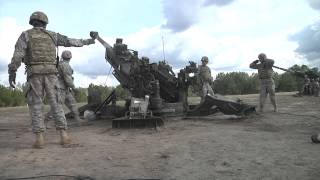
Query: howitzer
{"points": [[300, 74], [296, 73], [137, 75], [167, 93]]}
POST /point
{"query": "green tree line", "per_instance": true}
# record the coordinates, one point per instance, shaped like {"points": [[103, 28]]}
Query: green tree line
{"points": [[243, 83], [15, 97], [225, 83]]}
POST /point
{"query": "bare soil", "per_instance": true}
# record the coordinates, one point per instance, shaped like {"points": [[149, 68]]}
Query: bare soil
{"points": [[262, 146]]}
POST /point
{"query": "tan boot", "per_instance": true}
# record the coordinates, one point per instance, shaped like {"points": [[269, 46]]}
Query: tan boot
{"points": [[315, 138], [65, 139], [77, 120], [39, 143]]}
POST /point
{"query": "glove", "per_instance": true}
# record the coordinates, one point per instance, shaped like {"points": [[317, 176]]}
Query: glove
{"points": [[12, 79], [256, 61], [94, 34], [88, 41]]}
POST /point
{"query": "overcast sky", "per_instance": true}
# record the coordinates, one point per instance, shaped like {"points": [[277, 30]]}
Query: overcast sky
{"points": [[230, 32]]}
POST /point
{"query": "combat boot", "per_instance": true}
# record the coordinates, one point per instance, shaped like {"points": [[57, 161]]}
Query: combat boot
{"points": [[76, 121], [275, 109], [65, 139], [315, 138], [77, 118], [39, 142]]}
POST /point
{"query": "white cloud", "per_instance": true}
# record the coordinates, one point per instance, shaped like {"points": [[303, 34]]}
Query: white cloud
{"points": [[314, 4], [231, 36], [183, 14], [9, 33]]}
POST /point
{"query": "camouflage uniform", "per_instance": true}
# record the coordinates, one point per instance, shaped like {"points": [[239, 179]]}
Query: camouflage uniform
{"points": [[267, 86], [205, 78], [312, 86], [316, 87], [306, 85], [36, 48], [66, 85]]}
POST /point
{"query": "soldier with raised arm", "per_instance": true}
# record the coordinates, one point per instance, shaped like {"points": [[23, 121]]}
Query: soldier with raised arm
{"points": [[36, 48], [205, 78], [265, 73]]}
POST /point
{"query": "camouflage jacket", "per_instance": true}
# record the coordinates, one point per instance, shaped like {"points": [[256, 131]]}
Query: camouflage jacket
{"points": [[205, 74], [265, 70], [65, 75], [306, 81], [22, 45]]}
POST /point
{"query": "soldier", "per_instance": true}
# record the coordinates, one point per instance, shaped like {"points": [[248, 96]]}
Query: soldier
{"points": [[205, 78], [36, 48], [312, 86], [66, 85], [306, 85], [316, 87], [265, 73]]}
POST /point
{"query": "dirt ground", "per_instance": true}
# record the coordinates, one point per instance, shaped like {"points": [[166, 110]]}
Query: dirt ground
{"points": [[263, 146]]}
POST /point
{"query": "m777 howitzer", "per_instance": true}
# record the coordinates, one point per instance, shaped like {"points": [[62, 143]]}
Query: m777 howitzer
{"points": [[296, 73], [309, 73], [156, 91]]}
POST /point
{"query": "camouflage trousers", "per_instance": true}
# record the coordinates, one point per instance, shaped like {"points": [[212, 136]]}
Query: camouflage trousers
{"points": [[70, 102], [316, 90], [267, 87], [206, 89], [37, 87], [68, 99]]}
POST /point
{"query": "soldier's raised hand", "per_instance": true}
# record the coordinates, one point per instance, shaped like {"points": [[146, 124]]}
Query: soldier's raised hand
{"points": [[12, 80], [94, 34], [256, 61]]}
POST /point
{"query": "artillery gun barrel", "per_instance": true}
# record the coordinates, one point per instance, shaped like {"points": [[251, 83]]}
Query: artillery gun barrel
{"points": [[296, 73], [283, 69], [105, 44]]}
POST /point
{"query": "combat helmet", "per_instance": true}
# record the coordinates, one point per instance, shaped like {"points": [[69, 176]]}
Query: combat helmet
{"points": [[39, 16], [204, 59], [118, 41], [66, 55], [262, 56]]}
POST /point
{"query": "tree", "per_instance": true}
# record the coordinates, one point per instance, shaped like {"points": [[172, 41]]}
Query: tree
{"points": [[287, 82]]}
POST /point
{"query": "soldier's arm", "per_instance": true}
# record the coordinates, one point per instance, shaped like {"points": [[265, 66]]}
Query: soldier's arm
{"points": [[67, 76], [254, 64], [68, 42], [19, 54]]}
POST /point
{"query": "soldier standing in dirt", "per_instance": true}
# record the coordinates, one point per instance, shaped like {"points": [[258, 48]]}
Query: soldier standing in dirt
{"points": [[316, 87], [205, 78], [265, 73], [66, 87], [306, 85], [36, 48]]}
